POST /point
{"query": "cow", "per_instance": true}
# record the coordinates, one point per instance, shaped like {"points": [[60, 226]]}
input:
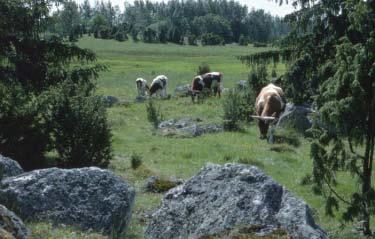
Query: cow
{"points": [[269, 104], [197, 86], [159, 84], [212, 81], [142, 86]]}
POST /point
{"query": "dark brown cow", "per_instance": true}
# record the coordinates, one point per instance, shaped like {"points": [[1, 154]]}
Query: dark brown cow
{"points": [[212, 81], [269, 104]]}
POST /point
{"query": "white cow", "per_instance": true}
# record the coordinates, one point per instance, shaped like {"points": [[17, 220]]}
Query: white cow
{"points": [[142, 86], [159, 84]]}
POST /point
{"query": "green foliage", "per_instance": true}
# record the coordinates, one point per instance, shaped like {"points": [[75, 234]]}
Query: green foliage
{"points": [[297, 84], [34, 69], [259, 44], [135, 161], [234, 111], [192, 39], [121, 36], [335, 66], [154, 115], [211, 39], [258, 78], [79, 129], [242, 41], [203, 69]]}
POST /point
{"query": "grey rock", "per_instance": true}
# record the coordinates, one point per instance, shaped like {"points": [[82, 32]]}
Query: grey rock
{"points": [[110, 100], [296, 116], [187, 127], [141, 98], [241, 85], [223, 197], [155, 184], [9, 167], [182, 91], [90, 198], [11, 226]]}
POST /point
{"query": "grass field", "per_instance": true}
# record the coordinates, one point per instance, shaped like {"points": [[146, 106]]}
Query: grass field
{"points": [[170, 157]]}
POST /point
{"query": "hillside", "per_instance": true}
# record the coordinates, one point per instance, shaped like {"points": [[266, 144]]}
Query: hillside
{"points": [[182, 158]]}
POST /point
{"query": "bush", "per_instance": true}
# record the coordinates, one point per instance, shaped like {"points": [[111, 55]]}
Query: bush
{"points": [[258, 78], [259, 44], [192, 40], [233, 111], [121, 36], [135, 161], [203, 69], [242, 41], [22, 135], [153, 114], [81, 135], [212, 39]]}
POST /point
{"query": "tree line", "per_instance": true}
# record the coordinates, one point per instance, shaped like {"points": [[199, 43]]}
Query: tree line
{"points": [[210, 22]]}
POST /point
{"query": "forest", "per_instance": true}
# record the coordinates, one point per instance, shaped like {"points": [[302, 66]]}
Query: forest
{"points": [[209, 22]]}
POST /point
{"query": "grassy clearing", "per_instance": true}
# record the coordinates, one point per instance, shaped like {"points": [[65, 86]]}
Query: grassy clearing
{"points": [[182, 158]]}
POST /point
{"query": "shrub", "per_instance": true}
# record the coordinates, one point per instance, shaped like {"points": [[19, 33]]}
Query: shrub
{"points": [[203, 69], [81, 135], [242, 41], [192, 40], [212, 39], [233, 111], [259, 44], [153, 114], [258, 78], [135, 161], [121, 36], [22, 135]]}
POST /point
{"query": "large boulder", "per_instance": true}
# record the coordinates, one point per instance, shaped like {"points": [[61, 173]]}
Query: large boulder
{"points": [[187, 127], [11, 226], [9, 167], [222, 198], [296, 116], [90, 198]]}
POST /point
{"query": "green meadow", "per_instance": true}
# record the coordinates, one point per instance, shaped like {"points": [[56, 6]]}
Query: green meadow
{"points": [[182, 158]]}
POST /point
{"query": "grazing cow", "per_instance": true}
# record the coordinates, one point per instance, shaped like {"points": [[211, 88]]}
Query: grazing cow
{"points": [[269, 104], [142, 86], [212, 81], [197, 86], [159, 84]]}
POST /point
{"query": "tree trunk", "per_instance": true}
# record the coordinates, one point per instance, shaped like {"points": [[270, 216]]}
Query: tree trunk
{"points": [[367, 170]]}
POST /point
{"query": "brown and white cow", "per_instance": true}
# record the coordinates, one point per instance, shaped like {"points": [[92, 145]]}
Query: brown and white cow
{"points": [[212, 81], [159, 84], [269, 104]]}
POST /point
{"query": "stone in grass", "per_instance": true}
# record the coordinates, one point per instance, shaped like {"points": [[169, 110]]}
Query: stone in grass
{"points": [[88, 198], [224, 197], [11, 226], [9, 167], [155, 184]]}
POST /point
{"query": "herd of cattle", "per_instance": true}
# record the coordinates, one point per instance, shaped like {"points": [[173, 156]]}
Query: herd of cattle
{"points": [[269, 103]]}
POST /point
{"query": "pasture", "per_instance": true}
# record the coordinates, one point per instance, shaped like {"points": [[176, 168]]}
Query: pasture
{"points": [[182, 158]]}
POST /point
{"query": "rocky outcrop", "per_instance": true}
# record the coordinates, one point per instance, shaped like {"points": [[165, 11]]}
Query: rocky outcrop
{"points": [[221, 198], [11, 226], [182, 91], [110, 100], [187, 127], [9, 167], [89, 198], [296, 116]]}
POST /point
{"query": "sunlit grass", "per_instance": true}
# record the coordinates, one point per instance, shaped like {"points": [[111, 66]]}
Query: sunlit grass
{"points": [[182, 158]]}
